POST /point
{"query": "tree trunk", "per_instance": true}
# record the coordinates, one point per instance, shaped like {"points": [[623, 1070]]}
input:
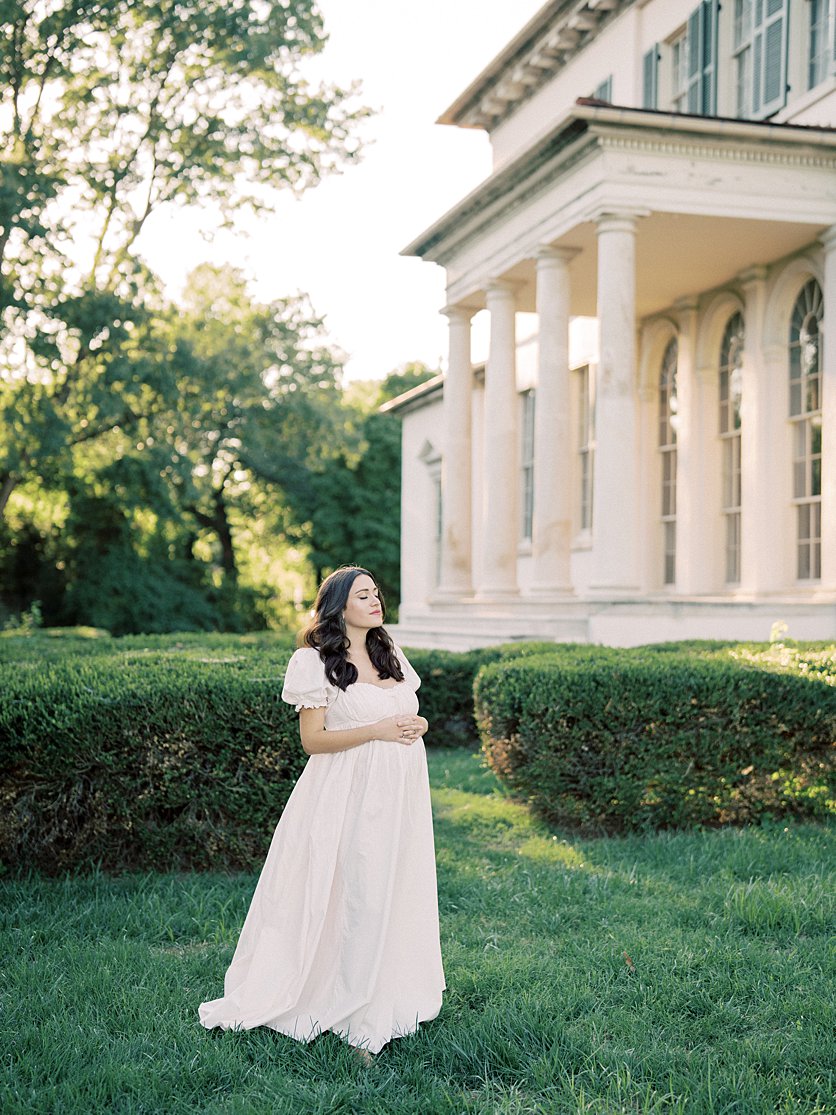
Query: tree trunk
{"points": [[8, 483], [224, 533]]}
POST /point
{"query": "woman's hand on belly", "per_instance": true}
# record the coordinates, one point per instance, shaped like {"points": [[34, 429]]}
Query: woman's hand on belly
{"points": [[400, 729]]}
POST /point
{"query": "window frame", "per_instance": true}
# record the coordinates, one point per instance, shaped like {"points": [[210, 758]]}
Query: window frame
{"points": [[585, 446], [750, 45], [731, 440], [820, 62], [668, 420], [805, 389], [528, 403]]}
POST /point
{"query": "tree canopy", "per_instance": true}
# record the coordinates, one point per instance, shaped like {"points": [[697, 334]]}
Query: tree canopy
{"points": [[111, 109]]}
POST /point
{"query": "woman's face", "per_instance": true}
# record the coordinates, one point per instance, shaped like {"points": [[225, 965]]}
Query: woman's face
{"points": [[363, 608]]}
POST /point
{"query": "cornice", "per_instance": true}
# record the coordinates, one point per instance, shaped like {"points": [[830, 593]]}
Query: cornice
{"points": [[587, 128], [729, 149], [558, 32]]}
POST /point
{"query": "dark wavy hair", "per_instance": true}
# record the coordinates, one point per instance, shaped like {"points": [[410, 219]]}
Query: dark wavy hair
{"points": [[326, 631]]}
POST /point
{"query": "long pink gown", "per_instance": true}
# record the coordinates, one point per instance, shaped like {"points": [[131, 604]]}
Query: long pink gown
{"points": [[342, 931]]}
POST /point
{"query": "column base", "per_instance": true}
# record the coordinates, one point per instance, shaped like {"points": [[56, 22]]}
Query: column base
{"points": [[450, 592], [551, 591], [488, 595]]}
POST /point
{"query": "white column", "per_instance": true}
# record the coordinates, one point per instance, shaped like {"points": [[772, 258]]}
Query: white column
{"points": [[760, 551], [457, 448], [615, 515], [828, 447], [690, 504], [501, 466], [552, 462]]}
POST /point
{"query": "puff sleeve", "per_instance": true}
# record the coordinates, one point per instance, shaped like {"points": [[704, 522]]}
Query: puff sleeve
{"points": [[409, 675], [305, 682]]}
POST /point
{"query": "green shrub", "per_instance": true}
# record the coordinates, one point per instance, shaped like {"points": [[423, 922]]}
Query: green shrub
{"points": [[144, 760], [447, 685], [627, 740], [174, 751]]}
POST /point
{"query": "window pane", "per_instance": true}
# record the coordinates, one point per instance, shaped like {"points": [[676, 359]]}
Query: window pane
{"points": [[812, 394], [815, 476], [795, 397], [803, 570]]}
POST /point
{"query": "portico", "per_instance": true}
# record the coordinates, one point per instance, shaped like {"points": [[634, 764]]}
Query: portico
{"points": [[660, 226]]}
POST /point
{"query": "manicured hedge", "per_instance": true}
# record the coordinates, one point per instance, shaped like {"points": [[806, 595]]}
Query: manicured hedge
{"points": [[447, 677], [171, 751], [629, 740], [145, 761]]}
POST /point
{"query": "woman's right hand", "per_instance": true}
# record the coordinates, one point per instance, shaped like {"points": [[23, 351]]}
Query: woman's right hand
{"points": [[395, 729]]}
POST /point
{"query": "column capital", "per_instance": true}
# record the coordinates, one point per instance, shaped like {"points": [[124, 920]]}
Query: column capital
{"points": [[687, 304], [547, 256], [752, 275], [617, 220], [501, 288], [459, 311], [828, 238], [685, 310]]}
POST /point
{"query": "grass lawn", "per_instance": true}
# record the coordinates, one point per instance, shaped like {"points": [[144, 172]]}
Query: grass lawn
{"points": [[668, 973]]}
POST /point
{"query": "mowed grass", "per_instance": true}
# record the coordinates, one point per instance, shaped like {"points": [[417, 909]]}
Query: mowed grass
{"points": [[668, 973]]}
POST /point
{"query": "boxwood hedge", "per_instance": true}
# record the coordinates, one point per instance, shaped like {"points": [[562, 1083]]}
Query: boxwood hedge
{"points": [[628, 740], [173, 751]]}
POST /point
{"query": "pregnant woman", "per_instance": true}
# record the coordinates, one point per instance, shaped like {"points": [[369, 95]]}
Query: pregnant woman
{"points": [[342, 930]]}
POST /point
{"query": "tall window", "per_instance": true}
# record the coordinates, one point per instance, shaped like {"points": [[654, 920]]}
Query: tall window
{"points": [[760, 56], [603, 92], [586, 445], [439, 518], [805, 415], [679, 72], [668, 423], [527, 464], [822, 60], [731, 358]]}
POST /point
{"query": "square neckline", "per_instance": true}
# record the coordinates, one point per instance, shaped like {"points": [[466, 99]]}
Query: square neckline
{"points": [[374, 685]]}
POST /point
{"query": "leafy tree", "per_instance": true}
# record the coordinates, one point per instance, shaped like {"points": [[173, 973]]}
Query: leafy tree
{"points": [[112, 109], [258, 402], [352, 512]]}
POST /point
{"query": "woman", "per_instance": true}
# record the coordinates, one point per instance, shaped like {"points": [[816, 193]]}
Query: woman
{"points": [[342, 931]]}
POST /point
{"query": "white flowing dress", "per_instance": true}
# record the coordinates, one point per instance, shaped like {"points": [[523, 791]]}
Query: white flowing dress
{"points": [[342, 931]]}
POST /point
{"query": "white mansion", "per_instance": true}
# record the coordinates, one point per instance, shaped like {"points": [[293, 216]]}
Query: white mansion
{"points": [[666, 173]]}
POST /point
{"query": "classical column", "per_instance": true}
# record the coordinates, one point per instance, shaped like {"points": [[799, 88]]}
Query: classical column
{"points": [[500, 473], [760, 552], [691, 532], [828, 415], [457, 449], [552, 462], [615, 516]]}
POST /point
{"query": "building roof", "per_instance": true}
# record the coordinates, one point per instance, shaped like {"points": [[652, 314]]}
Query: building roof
{"points": [[557, 32], [414, 398]]}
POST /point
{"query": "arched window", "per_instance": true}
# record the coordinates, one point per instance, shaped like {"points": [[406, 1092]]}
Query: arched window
{"points": [[731, 375], [805, 415], [668, 422], [527, 466]]}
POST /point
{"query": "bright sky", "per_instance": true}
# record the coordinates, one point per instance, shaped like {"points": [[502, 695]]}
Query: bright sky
{"points": [[339, 243]]}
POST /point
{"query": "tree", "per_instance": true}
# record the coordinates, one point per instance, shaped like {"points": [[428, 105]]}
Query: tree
{"points": [[258, 401], [352, 512], [112, 109]]}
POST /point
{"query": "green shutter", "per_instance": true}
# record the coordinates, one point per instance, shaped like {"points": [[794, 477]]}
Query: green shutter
{"points": [[702, 58], [650, 71], [769, 70]]}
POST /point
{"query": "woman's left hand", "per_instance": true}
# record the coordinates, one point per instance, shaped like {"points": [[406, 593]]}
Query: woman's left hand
{"points": [[413, 727]]}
